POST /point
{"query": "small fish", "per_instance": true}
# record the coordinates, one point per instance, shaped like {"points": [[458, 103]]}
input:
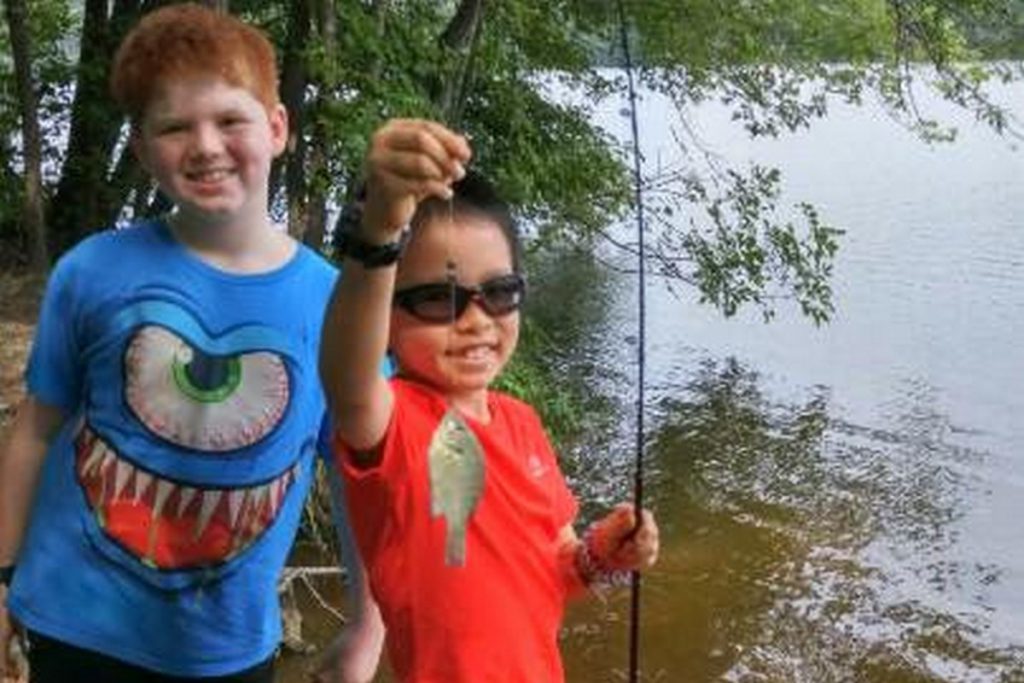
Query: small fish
{"points": [[456, 462]]}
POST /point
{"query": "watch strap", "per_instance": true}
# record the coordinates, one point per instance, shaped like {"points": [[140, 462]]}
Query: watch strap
{"points": [[369, 255], [372, 255]]}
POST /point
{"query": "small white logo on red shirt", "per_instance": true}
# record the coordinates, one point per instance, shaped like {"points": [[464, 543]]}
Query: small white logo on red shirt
{"points": [[536, 466]]}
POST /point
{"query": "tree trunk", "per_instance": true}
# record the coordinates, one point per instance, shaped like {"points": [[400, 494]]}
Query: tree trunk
{"points": [[294, 79], [85, 201], [316, 197], [33, 216]]}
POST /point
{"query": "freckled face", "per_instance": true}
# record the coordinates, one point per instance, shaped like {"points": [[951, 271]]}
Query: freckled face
{"points": [[464, 357], [209, 146]]}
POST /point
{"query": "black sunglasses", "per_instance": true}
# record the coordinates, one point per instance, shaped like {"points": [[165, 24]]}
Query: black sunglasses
{"points": [[442, 302]]}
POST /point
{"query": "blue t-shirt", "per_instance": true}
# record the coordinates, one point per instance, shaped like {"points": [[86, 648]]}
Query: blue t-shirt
{"points": [[170, 499]]}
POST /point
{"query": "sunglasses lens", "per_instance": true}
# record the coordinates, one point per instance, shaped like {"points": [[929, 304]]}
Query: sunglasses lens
{"points": [[432, 303], [502, 295]]}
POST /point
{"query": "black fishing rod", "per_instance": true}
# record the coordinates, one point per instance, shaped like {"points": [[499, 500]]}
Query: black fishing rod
{"points": [[638, 473]]}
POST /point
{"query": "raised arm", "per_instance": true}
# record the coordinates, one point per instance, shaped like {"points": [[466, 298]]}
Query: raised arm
{"points": [[408, 160]]}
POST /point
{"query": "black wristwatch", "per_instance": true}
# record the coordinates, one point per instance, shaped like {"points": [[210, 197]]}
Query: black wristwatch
{"points": [[350, 223], [6, 574]]}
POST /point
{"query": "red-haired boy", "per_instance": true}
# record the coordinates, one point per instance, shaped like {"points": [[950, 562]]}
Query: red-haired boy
{"points": [[154, 478]]}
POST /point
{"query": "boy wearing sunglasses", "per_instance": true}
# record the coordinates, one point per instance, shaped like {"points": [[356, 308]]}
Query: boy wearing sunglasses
{"points": [[458, 505]]}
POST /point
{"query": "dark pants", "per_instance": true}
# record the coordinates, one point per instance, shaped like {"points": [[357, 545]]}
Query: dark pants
{"points": [[52, 661]]}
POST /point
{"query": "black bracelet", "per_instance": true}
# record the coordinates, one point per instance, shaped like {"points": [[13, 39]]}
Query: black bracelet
{"points": [[595, 574], [6, 574], [372, 255], [349, 244]]}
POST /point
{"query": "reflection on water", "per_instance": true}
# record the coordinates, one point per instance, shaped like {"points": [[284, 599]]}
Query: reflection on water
{"points": [[840, 504], [783, 531]]}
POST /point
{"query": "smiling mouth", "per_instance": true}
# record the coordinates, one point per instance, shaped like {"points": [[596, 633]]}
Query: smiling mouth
{"points": [[170, 525], [482, 353], [210, 176], [205, 182]]}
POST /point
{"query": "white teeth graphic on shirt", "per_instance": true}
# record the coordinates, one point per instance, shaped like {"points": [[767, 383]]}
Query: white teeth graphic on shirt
{"points": [[164, 489], [121, 477], [248, 510], [187, 493], [94, 458], [142, 481], [208, 504]]}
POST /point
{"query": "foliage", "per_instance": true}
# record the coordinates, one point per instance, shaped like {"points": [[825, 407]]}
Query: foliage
{"points": [[777, 64], [567, 307], [532, 378]]}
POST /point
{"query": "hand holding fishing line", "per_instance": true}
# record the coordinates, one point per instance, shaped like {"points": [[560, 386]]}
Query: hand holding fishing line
{"points": [[408, 161]]}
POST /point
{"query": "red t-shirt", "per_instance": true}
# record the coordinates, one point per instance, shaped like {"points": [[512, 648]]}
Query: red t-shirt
{"points": [[496, 617]]}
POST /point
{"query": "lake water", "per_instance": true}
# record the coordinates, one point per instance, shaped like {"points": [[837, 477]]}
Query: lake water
{"points": [[839, 503]]}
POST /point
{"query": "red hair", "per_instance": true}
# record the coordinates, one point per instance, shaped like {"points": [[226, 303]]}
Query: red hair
{"points": [[188, 40]]}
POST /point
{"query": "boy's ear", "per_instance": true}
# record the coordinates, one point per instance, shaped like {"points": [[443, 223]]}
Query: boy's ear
{"points": [[278, 117], [138, 147]]}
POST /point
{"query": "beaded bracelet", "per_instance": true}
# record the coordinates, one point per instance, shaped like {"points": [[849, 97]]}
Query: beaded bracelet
{"points": [[595, 573]]}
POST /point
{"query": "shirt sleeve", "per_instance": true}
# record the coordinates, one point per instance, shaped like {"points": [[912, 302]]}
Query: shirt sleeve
{"points": [[54, 371], [370, 492], [565, 505], [326, 442]]}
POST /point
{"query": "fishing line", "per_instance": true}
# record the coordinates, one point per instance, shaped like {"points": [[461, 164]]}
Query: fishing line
{"points": [[638, 473], [449, 270], [452, 122], [449, 260]]}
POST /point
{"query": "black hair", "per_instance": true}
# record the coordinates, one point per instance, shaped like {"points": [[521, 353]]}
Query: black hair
{"points": [[474, 194]]}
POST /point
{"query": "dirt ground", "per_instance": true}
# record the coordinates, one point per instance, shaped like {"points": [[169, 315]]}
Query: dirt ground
{"points": [[19, 306]]}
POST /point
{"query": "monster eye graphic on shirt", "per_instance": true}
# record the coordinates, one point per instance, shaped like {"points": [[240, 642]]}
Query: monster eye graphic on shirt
{"points": [[203, 401], [195, 479]]}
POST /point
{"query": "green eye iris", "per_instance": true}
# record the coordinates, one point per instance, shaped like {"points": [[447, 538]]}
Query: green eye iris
{"points": [[205, 378]]}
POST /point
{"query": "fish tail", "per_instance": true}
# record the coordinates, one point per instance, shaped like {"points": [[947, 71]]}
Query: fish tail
{"points": [[455, 546]]}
